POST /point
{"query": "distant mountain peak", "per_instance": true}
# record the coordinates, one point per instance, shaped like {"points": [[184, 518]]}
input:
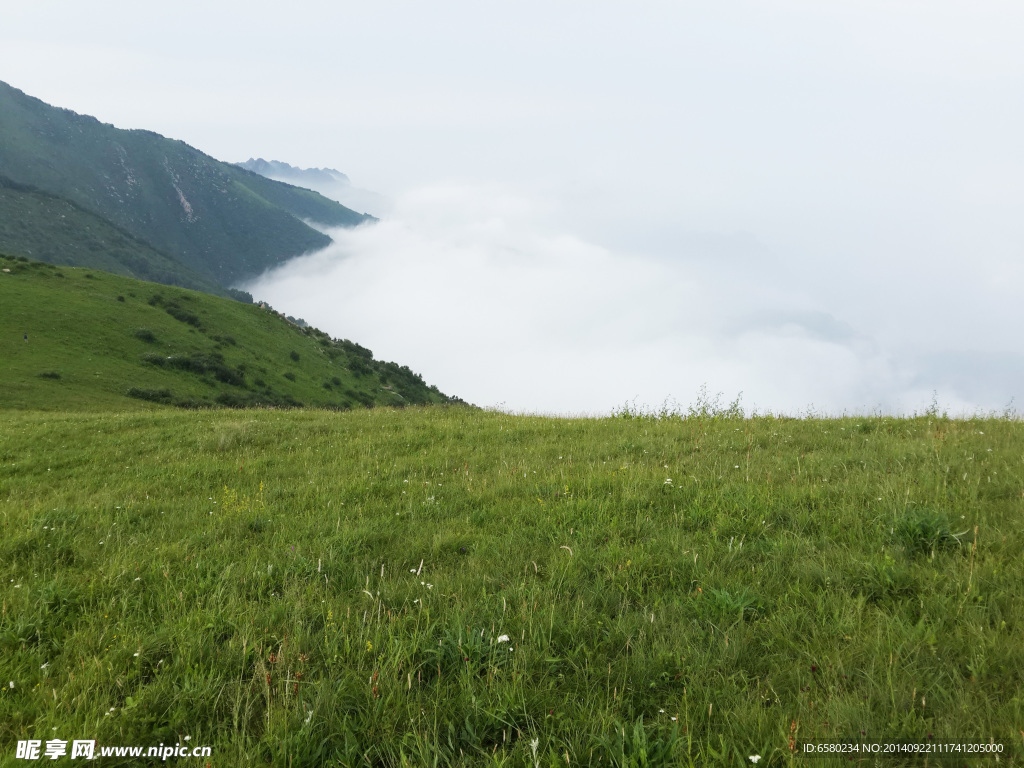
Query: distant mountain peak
{"points": [[283, 171]]}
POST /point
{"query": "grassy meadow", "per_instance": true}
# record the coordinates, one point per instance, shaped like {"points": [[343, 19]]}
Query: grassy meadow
{"points": [[447, 587]]}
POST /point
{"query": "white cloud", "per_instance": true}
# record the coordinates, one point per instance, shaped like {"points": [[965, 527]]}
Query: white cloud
{"points": [[480, 291]]}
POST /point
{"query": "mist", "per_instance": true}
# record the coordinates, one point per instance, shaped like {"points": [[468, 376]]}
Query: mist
{"points": [[482, 291]]}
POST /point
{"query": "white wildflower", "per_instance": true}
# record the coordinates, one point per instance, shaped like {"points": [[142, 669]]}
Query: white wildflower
{"points": [[503, 639]]}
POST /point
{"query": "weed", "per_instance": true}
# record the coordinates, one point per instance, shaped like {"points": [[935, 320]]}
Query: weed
{"points": [[923, 531]]}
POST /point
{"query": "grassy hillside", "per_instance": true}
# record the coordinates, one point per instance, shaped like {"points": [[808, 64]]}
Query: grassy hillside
{"points": [[451, 587], [216, 219], [96, 340]]}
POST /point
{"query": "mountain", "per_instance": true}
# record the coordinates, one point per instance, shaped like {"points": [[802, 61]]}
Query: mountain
{"points": [[218, 223], [327, 181], [80, 339], [57, 231], [300, 177]]}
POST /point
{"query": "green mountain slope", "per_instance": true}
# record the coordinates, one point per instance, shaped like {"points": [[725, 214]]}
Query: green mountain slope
{"points": [[55, 230], [220, 221], [75, 339]]}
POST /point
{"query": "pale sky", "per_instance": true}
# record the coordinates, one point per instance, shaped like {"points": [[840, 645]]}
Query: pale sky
{"points": [[818, 205]]}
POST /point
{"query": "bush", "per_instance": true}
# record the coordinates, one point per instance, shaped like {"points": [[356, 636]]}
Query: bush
{"points": [[191, 403], [233, 400], [356, 350], [144, 334], [152, 395], [294, 355], [49, 375], [181, 315], [289, 375], [243, 296], [199, 364]]}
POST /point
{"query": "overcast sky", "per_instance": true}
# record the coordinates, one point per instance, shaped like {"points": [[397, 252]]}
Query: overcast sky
{"points": [[818, 205]]}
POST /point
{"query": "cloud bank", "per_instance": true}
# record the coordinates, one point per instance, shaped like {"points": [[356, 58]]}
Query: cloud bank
{"points": [[484, 293]]}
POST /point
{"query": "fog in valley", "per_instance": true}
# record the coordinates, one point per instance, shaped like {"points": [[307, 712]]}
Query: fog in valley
{"points": [[485, 294], [817, 206]]}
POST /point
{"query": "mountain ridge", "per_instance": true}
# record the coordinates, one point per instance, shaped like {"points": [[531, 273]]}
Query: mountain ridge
{"points": [[328, 182], [280, 170], [220, 222]]}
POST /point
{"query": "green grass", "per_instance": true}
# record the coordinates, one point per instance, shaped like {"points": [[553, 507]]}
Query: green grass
{"points": [[96, 340], [313, 588]]}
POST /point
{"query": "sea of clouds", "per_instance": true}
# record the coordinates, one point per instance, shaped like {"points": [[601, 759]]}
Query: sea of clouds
{"points": [[488, 295]]}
